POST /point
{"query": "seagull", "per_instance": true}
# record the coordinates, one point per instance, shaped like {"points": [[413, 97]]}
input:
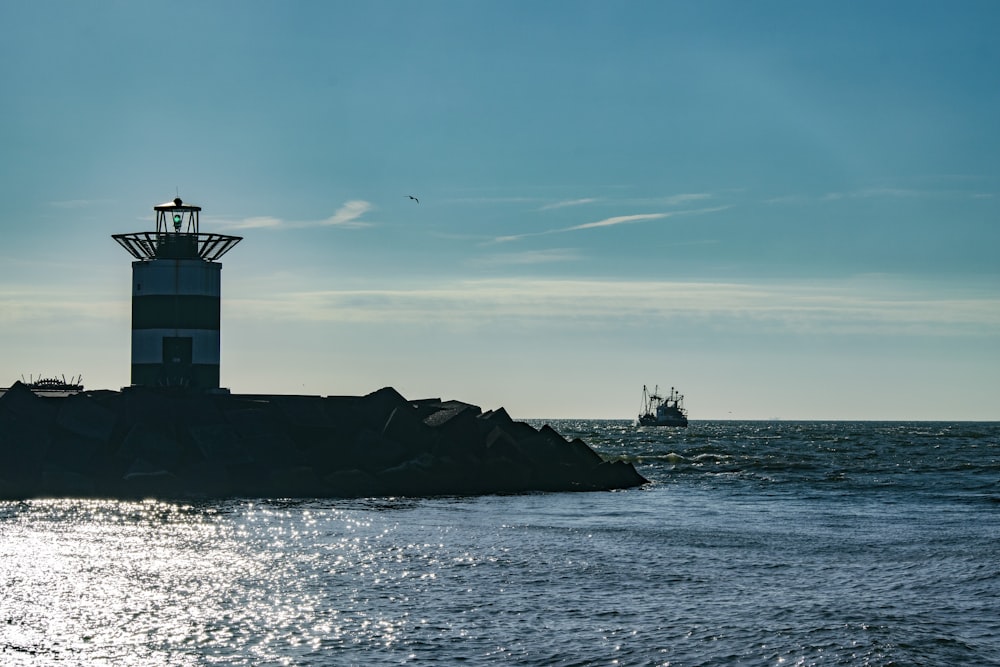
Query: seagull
{"points": [[413, 198]]}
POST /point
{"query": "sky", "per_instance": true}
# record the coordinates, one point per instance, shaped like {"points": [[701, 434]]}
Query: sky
{"points": [[785, 209]]}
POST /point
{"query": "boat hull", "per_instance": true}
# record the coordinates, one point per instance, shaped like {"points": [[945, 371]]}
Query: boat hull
{"points": [[652, 420]]}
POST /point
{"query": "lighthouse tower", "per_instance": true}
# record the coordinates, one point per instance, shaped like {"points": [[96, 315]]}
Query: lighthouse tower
{"points": [[176, 287]]}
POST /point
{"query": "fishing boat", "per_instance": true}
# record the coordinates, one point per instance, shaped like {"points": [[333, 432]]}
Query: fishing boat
{"points": [[658, 410]]}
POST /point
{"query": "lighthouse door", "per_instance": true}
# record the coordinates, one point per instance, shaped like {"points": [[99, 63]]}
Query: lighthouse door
{"points": [[177, 360]]}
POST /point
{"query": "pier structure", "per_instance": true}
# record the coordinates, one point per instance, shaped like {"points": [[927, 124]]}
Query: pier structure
{"points": [[176, 299]]}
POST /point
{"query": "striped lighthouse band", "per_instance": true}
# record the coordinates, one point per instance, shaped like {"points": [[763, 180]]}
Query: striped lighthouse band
{"points": [[175, 322]]}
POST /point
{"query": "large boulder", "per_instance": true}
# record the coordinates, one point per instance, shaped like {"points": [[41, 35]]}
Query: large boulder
{"points": [[21, 401], [153, 441], [24, 445], [83, 416], [459, 431]]}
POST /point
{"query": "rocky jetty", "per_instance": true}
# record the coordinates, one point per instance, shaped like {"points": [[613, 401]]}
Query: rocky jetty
{"points": [[142, 443]]}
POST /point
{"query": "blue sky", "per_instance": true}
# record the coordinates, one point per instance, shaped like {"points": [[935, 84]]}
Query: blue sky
{"points": [[785, 209]]}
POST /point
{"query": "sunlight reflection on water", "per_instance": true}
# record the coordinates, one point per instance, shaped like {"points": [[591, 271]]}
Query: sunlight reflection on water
{"points": [[106, 582], [155, 582]]}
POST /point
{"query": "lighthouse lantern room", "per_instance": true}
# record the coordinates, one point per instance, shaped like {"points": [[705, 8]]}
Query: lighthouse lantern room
{"points": [[176, 289]]}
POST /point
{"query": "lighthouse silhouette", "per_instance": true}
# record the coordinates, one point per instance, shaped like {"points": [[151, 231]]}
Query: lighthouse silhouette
{"points": [[176, 292]]}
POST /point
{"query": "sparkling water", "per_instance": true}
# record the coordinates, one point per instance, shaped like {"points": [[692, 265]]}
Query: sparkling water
{"points": [[756, 543]]}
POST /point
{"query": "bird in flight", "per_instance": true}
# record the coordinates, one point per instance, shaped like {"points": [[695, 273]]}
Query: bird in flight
{"points": [[413, 198]]}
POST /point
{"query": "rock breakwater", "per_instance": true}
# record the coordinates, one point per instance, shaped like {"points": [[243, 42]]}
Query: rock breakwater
{"points": [[141, 443]]}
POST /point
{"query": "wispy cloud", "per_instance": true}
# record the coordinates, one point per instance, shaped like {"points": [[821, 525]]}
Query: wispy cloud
{"points": [[611, 222], [347, 216], [492, 200], [569, 202], [676, 200], [668, 200], [259, 222], [788, 199], [872, 193], [671, 200], [54, 306], [618, 220], [864, 307], [529, 257]]}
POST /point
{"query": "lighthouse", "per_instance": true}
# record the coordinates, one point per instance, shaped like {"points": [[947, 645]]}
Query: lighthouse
{"points": [[176, 293]]}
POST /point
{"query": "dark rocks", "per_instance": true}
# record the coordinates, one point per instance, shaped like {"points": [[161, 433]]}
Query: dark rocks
{"points": [[146, 443], [83, 416]]}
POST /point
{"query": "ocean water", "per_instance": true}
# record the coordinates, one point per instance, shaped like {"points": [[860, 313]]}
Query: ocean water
{"points": [[757, 543]]}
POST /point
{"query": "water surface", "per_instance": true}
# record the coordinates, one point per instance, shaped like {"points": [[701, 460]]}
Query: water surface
{"points": [[757, 543]]}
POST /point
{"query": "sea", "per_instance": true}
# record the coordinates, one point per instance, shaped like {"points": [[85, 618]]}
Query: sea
{"points": [[756, 543]]}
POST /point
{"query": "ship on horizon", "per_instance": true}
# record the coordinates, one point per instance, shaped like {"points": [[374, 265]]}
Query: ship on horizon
{"points": [[662, 410]]}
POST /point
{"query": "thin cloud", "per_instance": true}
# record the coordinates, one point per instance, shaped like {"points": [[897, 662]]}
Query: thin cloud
{"points": [[516, 237], [787, 199], [347, 216], [529, 257], [902, 193], [864, 193], [869, 193], [611, 222], [45, 306], [686, 198], [618, 220], [492, 200], [628, 219], [569, 202], [670, 200], [863, 307], [259, 222]]}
